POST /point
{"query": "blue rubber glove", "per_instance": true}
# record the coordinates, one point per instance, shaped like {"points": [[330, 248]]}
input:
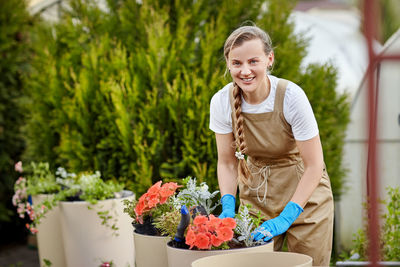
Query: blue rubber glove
{"points": [[280, 224], [228, 206]]}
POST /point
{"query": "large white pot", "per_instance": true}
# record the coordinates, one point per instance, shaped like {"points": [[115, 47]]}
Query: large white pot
{"points": [[151, 251], [265, 259], [178, 257], [49, 236], [87, 242]]}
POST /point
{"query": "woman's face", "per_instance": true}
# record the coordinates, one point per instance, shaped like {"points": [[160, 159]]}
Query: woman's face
{"points": [[248, 64]]}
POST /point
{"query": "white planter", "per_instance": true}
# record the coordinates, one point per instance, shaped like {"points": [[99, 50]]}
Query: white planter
{"points": [[49, 237], [151, 251], [178, 257], [87, 242], [265, 259]]}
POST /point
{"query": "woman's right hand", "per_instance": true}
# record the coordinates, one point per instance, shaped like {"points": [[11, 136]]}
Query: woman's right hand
{"points": [[228, 206]]}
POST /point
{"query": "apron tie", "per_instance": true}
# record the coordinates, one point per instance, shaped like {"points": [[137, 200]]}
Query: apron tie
{"points": [[264, 172]]}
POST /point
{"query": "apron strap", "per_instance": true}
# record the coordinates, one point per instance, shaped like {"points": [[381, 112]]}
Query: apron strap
{"points": [[280, 95]]}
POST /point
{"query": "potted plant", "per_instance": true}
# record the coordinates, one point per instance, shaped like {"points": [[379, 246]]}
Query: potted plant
{"points": [[208, 235], [36, 195], [88, 224], [93, 223], [146, 213], [194, 232]]}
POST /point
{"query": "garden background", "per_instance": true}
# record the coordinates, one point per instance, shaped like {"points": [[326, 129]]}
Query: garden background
{"points": [[126, 89]]}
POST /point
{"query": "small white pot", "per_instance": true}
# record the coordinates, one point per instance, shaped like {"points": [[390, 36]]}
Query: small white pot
{"points": [[178, 257], [49, 236], [150, 251], [265, 259], [87, 242]]}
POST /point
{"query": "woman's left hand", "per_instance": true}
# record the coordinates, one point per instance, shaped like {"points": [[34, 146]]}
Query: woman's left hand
{"points": [[278, 225]]}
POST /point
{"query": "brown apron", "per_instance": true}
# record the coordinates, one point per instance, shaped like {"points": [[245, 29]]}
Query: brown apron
{"points": [[276, 165]]}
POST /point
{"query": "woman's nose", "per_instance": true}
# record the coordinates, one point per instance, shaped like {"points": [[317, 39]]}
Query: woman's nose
{"points": [[245, 70]]}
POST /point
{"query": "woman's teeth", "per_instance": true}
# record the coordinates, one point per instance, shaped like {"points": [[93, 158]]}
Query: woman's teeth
{"points": [[247, 79]]}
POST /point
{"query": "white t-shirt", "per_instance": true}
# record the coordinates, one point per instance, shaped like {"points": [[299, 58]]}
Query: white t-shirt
{"points": [[296, 110]]}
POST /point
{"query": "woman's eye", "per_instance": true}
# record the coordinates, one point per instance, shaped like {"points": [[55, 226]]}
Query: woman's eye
{"points": [[253, 61], [236, 63]]}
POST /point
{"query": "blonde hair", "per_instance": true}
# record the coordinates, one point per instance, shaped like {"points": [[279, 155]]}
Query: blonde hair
{"points": [[237, 38]]}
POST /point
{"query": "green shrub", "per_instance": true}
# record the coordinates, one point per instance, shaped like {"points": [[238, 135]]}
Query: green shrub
{"points": [[389, 233], [127, 92], [14, 57]]}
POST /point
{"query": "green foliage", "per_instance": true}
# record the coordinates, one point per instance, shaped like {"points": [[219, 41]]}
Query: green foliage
{"points": [[391, 226], [127, 92], [63, 186], [14, 58], [332, 112], [390, 21], [40, 180], [389, 234], [167, 223]]}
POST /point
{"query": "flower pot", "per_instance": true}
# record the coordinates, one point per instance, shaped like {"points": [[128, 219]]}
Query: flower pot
{"points": [[49, 236], [365, 263], [272, 259], [87, 242], [178, 257], [150, 251]]}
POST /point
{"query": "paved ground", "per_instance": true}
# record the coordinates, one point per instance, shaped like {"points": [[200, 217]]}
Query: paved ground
{"points": [[18, 255]]}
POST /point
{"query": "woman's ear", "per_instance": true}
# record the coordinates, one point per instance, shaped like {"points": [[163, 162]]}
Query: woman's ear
{"points": [[271, 59]]}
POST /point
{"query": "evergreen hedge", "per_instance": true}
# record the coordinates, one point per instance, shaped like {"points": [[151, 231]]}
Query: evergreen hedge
{"points": [[126, 91], [14, 57]]}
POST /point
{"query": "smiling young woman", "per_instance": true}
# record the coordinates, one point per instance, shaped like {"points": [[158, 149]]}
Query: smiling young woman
{"points": [[268, 144]]}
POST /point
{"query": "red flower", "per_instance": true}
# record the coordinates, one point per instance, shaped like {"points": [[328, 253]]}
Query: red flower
{"points": [[209, 231], [215, 241], [224, 233], [202, 241], [229, 222], [199, 220], [155, 188], [154, 196], [190, 238], [139, 208]]}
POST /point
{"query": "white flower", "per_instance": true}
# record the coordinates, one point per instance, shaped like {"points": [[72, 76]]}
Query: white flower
{"points": [[239, 155]]}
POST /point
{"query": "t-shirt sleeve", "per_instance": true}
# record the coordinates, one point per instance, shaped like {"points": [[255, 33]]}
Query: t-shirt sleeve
{"points": [[219, 115], [299, 114]]}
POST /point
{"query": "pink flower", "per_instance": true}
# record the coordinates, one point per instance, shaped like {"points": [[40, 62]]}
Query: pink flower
{"points": [[14, 199], [18, 167]]}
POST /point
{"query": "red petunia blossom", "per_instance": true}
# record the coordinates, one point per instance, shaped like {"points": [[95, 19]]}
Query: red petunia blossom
{"points": [[199, 220], [153, 201], [224, 233], [156, 195], [202, 241], [139, 208], [190, 238], [215, 241], [155, 188], [209, 231], [229, 222]]}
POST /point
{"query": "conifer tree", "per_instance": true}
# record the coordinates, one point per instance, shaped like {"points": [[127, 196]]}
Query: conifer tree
{"points": [[126, 91], [14, 64]]}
